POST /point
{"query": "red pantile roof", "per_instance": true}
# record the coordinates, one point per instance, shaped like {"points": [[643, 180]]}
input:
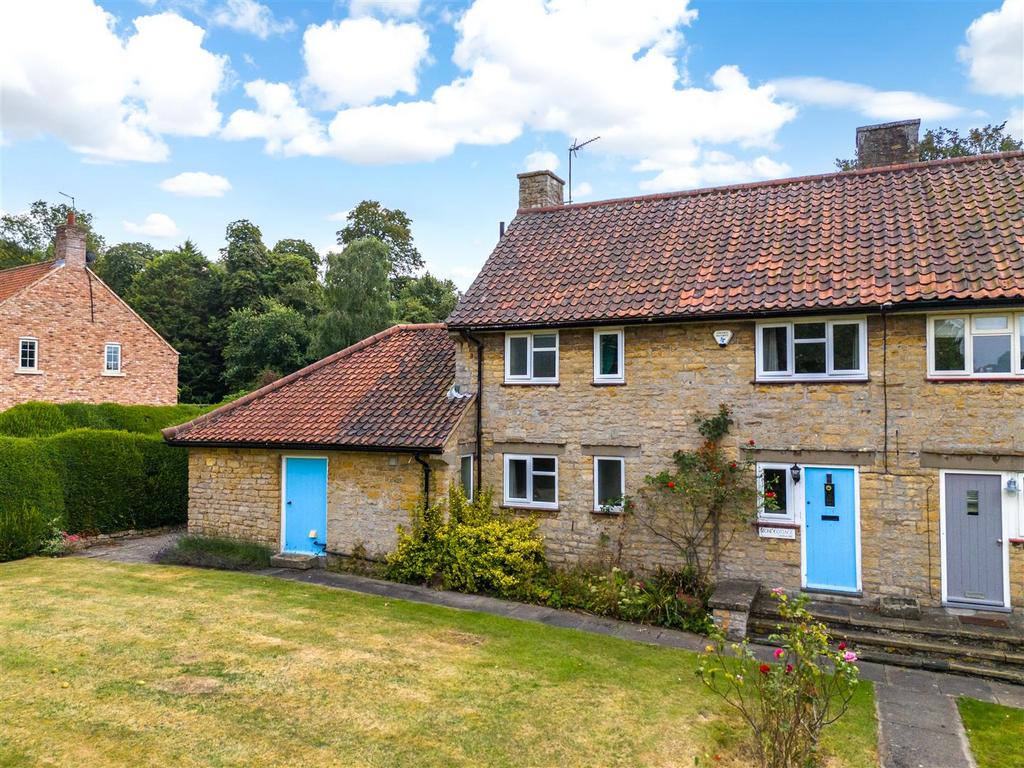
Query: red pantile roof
{"points": [[911, 234], [14, 279], [386, 392]]}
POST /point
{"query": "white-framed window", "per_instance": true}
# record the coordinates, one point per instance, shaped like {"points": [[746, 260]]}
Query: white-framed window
{"points": [[466, 474], [531, 481], [1020, 502], [775, 490], [28, 354], [812, 349], [976, 345], [531, 357], [609, 483], [609, 356], [111, 358]]}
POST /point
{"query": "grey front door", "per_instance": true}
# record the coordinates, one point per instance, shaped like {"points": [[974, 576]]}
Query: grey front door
{"points": [[974, 539]]}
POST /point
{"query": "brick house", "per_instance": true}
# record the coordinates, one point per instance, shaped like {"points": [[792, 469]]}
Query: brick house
{"points": [[65, 336], [333, 457], [866, 329]]}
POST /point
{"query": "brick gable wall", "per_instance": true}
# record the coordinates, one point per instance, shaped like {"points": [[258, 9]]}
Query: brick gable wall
{"points": [[72, 327]]}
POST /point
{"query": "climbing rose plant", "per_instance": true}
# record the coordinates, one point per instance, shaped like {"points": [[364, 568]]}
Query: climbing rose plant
{"points": [[787, 701]]}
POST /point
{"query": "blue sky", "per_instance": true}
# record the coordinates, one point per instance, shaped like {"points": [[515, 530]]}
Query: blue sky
{"points": [[290, 113]]}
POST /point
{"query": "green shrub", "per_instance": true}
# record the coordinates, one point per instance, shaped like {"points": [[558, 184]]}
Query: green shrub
{"points": [[29, 477], [205, 552], [42, 419], [471, 549], [23, 530]]}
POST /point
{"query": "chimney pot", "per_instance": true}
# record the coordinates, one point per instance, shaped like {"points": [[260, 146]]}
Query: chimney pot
{"points": [[70, 244], [540, 189], [888, 144], [71, 218]]}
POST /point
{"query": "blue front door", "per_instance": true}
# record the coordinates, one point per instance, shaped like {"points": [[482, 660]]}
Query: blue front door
{"points": [[305, 505], [830, 528]]}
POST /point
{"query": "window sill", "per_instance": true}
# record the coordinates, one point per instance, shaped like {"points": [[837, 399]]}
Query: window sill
{"points": [[28, 372], [509, 507], [114, 374], [836, 380], [508, 383], [607, 512], [972, 379], [609, 383]]}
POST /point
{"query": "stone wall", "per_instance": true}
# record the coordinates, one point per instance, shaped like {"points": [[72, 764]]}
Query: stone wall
{"points": [[236, 493], [674, 371], [73, 315]]}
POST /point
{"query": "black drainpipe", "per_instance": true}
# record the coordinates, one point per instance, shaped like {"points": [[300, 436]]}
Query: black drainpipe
{"points": [[479, 405], [426, 479]]}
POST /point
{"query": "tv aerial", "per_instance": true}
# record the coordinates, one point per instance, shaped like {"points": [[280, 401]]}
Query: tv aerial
{"points": [[575, 148]]}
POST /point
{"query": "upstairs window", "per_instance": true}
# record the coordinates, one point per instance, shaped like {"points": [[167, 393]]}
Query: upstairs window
{"points": [[531, 481], [982, 345], [112, 359], [28, 354], [531, 357], [608, 357], [809, 350]]}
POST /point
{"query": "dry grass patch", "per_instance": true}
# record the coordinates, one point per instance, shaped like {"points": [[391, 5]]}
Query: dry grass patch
{"points": [[110, 664]]}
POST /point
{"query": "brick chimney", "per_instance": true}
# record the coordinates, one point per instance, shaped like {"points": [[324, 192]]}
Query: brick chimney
{"points": [[70, 245], [539, 189], [888, 143]]}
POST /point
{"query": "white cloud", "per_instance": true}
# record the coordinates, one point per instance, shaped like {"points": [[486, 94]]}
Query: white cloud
{"points": [[994, 52], [252, 17], [879, 105], [158, 225], [279, 120], [583, 189], [357, 61], [1015, 122], [399, 8], [196, 184], [110, 99], [541, 160], [339, 215]]}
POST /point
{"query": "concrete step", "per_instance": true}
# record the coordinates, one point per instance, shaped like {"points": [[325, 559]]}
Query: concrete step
{"points": [[297, 560]]}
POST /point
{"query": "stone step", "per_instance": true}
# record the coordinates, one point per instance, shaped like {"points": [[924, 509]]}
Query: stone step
{"points": [[297, 560]]}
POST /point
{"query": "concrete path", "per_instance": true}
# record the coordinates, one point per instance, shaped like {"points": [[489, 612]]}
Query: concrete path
{"points": [[919, 725]]}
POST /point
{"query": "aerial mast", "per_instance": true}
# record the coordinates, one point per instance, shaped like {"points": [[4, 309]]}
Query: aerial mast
{"points": [[576, 147]]}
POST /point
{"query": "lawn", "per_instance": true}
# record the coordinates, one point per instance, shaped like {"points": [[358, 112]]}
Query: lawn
{"points": [[994, 732], [111, 664]]}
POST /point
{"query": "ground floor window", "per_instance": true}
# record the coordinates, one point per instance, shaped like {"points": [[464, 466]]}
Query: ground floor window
{"points": [[466, 474], [775, 493], [609, 483], [531, 481]]}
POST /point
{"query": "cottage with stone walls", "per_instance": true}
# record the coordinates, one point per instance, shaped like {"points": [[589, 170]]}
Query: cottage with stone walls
{"points": [[67, 337], [334, 457]]}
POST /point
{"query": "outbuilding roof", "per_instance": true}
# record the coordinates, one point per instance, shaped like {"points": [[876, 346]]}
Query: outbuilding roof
{"points": [[13, 279], [387, 392], [914, 234]]}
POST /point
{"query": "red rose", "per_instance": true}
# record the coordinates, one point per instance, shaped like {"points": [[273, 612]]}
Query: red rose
{"points": [[750, 441], [765, 669], [671, 484], [732, 465], [789, 668], [842, 646], [769, 494]]}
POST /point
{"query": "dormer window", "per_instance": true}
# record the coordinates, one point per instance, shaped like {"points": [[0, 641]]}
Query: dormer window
{"points": [[531, 358], [812, 350]]}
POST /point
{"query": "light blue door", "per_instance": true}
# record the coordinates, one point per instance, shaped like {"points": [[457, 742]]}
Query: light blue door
{"points": [[305, 505], [830, 527]]}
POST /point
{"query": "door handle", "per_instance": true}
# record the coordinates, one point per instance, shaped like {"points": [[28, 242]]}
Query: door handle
{"points": [[289, 501], [999, 542]]}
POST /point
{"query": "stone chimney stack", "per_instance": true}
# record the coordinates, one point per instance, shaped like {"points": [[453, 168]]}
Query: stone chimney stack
{"points": [[888, 143], [70, 245], [540, 189]]}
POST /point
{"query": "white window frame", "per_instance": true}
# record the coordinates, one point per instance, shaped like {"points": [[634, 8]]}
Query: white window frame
{"points": [[830, 374], [528, 503], [529, 378], [106, 350], [598, 507], [1015, 316], [619, 377], [472, 480], [35, 355], [791, 513]]}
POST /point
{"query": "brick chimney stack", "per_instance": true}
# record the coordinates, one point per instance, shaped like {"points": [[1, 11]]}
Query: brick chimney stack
{"points": [[70, 245], [540, 189], [888, 144]]}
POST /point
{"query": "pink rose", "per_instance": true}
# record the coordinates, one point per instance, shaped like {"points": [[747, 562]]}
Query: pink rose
{"points": [[778, 653], [777, 591], [850, 657]]}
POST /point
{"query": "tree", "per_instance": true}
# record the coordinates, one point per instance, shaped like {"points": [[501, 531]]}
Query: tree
{"points": [[264, 343], [292, 280], [246, 262], [298, 248], [939, 143], [356, 296], [120, 264], [179, 294], [425, 299], [29, 237], [392, 227]]}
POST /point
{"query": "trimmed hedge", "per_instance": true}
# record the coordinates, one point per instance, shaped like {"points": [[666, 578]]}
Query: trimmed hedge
{"points": [[40, 419], [95, 481]]}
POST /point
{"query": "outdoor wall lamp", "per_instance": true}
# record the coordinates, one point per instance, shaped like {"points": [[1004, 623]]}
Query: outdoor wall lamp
{"points": [[1012, 486], [794, 472]]}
